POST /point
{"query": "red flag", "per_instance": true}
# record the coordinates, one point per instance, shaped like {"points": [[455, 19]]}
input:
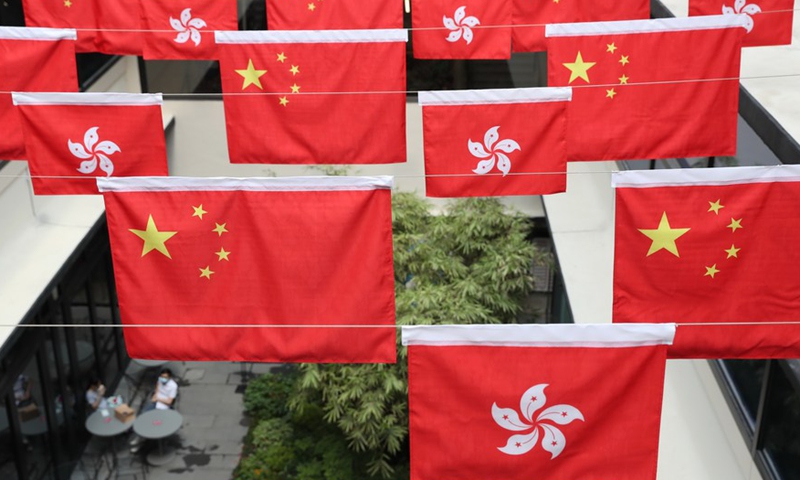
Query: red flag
{"points": [[702, 247], [308, 256], [475, 29], [78, 14], [530, 17], [335, 96], [333, 14], [495, 142], [33, 60], [550, 402], [649, 88], [769, 22], [85, 135], [186, 30], [119, 27]]}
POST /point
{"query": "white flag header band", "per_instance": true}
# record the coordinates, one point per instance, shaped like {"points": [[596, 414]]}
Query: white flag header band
{"points": [[311, 36], [268, 184], [36, 33], [495, 96], [554, 335], [705, 176], [706, 22], [84, 98]]}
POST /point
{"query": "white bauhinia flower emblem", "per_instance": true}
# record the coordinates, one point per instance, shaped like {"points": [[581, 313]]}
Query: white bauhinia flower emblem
{"points": [[94, 152], [740, 7], [493, 152], [187, 27], [460, 25], [533, 399]]}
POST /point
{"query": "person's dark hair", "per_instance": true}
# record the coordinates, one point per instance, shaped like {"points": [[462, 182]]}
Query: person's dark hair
{"points": [[94, 381], [167, 371]]}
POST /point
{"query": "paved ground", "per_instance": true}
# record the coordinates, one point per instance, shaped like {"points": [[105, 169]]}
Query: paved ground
{"points": [[210, 442]]}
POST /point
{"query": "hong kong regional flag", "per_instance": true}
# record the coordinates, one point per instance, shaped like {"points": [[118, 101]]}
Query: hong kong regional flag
{"points": [[649, 88], [70, 138], [466, 29], [300, 259], [334, 96], [78, 14], [714, 251], [31, 60], [769, 22], [545, 402], [333, 14], [495, 142], [185, 30]]}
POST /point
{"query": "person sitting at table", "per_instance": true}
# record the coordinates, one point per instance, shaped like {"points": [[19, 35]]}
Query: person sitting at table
{"points": [[22, 391], [94, 394], [163, 399]]}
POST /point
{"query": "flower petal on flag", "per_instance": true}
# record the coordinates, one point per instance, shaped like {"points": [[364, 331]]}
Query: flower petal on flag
{"points": [[748, 23], [90, 138], [106, 164], [183, 37], [195, 37], [461, 12], [533, 399], [507, 146], [78, 150], [454, 35], [485, 166], [477, 150], [503, 163], [490, 137], [186, 15], [471, 21], [520, 444], [560, 414], [108, 147], [176, 24], [88, 166], [197, 23], [751, 9], [467, 34], [449, 23], [738, 4], [553, 440], [726, 10], [508, 419]]}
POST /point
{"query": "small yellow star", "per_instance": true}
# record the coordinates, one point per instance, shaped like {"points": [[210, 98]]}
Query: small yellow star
{"points": [[610, 93], [67, 3], [623, 59], [220, 229], [623, 80], [206, 272], [222, 254], [295, 88], [295, 69], [281, 57], [153, 239], [312, 7], [579, 68], [711, 271], [284, 101], [664, 236], [735, 224], [733, 251], [251, 75], [556, 1], [610, 47], [199, 212], [714, 207]]}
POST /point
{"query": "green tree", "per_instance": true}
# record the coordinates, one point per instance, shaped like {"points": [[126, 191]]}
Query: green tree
{"points": [[471, 264]]}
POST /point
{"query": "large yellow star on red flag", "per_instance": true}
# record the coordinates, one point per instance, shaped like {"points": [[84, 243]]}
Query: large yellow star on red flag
{"points": [[579, 68], [153, 238], [251, 75], [664, 236]]}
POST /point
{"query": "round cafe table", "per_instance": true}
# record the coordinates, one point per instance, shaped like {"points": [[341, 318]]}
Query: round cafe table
{"points": [[158, 425], [103, 423]]}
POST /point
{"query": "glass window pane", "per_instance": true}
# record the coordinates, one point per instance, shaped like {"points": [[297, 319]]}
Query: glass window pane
{"points": [[747, 378], [8, 469], [30, 402], [780, 424]]}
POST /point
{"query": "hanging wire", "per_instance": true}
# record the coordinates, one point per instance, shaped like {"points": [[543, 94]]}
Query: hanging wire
{"points": [[338, 326]]}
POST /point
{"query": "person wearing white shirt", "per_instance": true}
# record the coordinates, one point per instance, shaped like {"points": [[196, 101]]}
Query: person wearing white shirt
{"points": [[94, 394], [163, 399]]}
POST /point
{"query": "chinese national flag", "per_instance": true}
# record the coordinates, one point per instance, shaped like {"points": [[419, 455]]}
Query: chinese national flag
{"points": [[302, 258], [325, 97], [495, 142], [333, 14], [33, 60], [119, 27], [701, 247], [185, 30], [544, 402], [78, 14], [462, 29], [531, 16], [85, 135], [649, 88], [768, 22]]}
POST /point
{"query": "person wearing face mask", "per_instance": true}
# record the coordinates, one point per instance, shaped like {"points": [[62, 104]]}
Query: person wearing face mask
{"points": [[163, 398]]}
